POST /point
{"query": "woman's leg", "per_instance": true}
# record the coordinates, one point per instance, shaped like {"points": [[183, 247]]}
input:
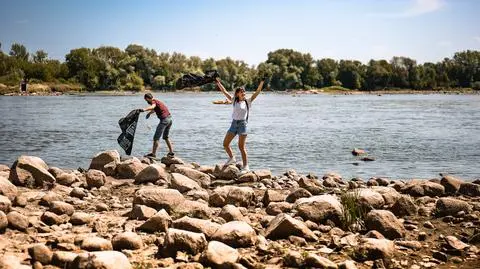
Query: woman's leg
{"points": [[242, 140], [226, 143]]}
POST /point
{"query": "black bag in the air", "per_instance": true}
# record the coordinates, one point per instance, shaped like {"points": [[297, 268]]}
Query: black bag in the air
{"points": [[128, 125], [193, 80]]}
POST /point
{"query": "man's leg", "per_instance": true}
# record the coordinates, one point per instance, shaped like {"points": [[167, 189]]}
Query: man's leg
{"points": [[166, 133], [155, 147], [156, 137]]}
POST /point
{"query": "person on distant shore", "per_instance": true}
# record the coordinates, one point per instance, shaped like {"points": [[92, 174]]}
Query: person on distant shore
{"points": [[163, 128], [23, 86], [241, 106]]}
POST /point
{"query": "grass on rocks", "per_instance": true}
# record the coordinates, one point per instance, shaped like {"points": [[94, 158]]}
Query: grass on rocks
{"points": [[353, 212]]}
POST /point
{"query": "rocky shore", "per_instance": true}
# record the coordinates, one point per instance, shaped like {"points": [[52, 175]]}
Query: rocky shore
{"points": [[132, 213]]}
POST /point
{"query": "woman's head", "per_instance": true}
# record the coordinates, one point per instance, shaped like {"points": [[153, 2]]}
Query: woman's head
{"points": [[239, 94]]}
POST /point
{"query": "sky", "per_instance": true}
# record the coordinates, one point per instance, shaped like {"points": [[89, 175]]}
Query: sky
{"points": [[425, 30]]}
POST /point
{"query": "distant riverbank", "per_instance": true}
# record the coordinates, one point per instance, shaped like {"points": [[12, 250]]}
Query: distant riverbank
{"points": [[54, 89]]}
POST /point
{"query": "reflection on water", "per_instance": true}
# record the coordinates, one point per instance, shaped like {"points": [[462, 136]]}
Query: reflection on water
{"points": [[411, 136]]}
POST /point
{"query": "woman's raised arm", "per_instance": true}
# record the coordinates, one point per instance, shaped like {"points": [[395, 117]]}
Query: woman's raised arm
{"points": [[222, 89]]}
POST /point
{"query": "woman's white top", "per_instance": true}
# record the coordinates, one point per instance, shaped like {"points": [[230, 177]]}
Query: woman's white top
{"points": [[240, 109]]}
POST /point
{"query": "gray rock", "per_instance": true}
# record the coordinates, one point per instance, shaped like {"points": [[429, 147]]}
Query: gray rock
{"points": [[3, 221], [7, 188], [231, 213], [386, 223], [152, 173], [30, 171], [183, 183], [80, 218], [158, 198], [179, 240], [320, 208], [451, 184], [158, 223], [129, 168], [297, 194], [373, 249], [207, 227], [5, 204], [142, 212], [201, 178], [419, 188], [101, 260], [61, 208], [276, 208], [272, 196], [470, 189], [127, 240], [95, 178], [18, 221], [236, 234], [315, 261], [404, 206], [104, 158], [283, 226], [96, 244], [450, 206], [51, 218], [63, 258], [218, 254], [78, 193], [238, 196], [40, 253], [67, 179]]}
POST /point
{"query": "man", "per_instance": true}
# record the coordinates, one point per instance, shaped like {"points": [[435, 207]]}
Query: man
{"points": [[163, 127]]}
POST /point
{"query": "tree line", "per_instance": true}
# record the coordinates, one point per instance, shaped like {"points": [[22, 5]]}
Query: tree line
{"points": [[137, 67]]}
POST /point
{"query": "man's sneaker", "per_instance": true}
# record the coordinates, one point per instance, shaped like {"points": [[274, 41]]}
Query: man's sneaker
{"points": [[171, 154], [231, 161], [150, 155], [245, 169]]}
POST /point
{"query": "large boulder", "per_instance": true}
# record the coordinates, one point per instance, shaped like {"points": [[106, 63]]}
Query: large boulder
{"points": [[313, 185], [446, 206], [220, 255], [30, 171], [238, 196], [469, 189], [192, 209], [419, 188], [236, 234], [283, 226], [183, 183], [127, 240], [103, 158], [152, 173], [101, 260], [201, 178], [158, 223], [272, 196], [451, 184], [18, 221], [7, 188], [129, 168], [231, 213], [158, 198], [60, 208], [389, 195], [229, 172], [404, 206], [40, 253], [320, 208], [386, 223], [374, 249], [367, 198], [180, 240], [141, 212], [95, 178], [207, 227], [67, 179]]}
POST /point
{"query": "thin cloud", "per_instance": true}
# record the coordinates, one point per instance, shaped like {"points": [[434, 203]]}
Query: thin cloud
{"points": [[417, 8]]}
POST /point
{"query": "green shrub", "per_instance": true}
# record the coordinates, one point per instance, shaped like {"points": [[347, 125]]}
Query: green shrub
{"points": [[353, 212]]}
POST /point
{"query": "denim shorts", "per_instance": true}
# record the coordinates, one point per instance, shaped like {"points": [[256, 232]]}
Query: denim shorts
{"points": [[238, 127], [163, 128]]}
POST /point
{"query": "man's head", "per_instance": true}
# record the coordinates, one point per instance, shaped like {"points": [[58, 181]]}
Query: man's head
{"points": [[148, 97]]}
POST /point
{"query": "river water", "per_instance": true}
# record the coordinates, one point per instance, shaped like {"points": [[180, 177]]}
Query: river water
{"points": [[410, 136]]}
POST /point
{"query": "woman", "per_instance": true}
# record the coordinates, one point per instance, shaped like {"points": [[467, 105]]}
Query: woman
{"points": [[241, 106]]}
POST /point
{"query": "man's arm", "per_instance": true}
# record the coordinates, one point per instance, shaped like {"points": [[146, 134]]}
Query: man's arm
{"points": [[223, 90], [149, 109]]}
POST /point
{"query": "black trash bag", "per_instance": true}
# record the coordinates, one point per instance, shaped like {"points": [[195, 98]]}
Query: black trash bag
{"points": [[194, 80], [128, 125]]}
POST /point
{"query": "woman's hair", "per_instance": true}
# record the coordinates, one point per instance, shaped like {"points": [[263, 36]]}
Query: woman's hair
{"points": [[148, 95], [237, 90]]}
